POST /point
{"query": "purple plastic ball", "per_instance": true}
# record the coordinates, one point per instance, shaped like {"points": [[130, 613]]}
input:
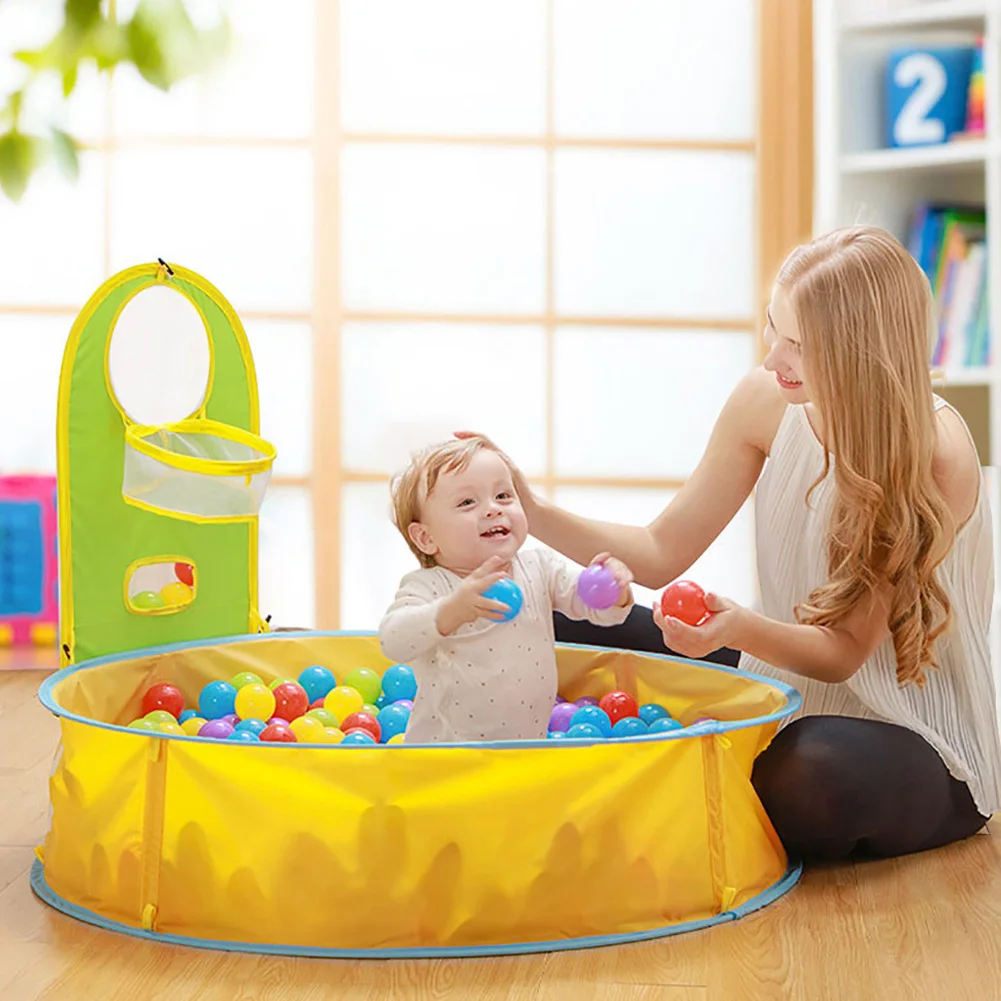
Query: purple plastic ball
{"points": [[406, 703], [559, 699], [597, 587], [218, 728], [559, 718], [278, 719], [586, 700], [232, 719]]}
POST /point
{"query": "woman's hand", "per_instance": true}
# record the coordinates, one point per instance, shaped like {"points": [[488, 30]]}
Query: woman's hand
{"points": [[528, 499], [720, 629]]}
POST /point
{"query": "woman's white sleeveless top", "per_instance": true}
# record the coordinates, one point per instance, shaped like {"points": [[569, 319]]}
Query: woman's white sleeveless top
{"points": [[955, 711]]}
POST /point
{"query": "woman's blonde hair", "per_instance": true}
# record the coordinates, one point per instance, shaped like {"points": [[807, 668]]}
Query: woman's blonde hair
{"points": [[410, 488], [866, 318]]}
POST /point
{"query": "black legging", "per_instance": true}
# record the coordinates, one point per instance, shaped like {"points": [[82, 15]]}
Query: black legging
{"points": [[833, 786]]}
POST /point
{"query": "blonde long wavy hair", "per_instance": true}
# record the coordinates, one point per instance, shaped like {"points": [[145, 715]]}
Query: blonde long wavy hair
{"points": [[866, 317]]}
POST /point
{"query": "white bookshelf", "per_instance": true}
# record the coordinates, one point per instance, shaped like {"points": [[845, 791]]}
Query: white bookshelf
{"points": [[858, 180]]}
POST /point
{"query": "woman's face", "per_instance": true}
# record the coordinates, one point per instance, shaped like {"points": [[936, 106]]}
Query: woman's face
{"points": [[785, 349]]}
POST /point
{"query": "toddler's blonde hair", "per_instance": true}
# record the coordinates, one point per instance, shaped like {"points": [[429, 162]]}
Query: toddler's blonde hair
{"points": [[410, 488]]}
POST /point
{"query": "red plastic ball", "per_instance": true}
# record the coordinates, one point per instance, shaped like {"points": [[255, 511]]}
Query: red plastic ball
{"points": [[279, 734], [362, 721], [185, 573], [316, 704], [291, 700], [164, 696], [685, 600], [619, 705]]}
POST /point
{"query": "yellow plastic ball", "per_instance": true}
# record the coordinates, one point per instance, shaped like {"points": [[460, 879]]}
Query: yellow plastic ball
{"points": [[255, 702], [308, 730], [343, 701], [332, 735], [395, 739], [176, 593], [192, 725]]}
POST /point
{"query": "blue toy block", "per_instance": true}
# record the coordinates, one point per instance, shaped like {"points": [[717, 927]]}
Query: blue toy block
{"points": [[926, 94]]}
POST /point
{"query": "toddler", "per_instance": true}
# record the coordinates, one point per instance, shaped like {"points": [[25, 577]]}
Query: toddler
{"points": [[479, 678]]}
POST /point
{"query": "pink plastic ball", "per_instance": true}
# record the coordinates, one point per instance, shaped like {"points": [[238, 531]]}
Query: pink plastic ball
{"points": [[597, 587]]}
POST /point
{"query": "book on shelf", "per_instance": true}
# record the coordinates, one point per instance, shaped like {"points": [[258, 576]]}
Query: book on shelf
{"points": [[949, 242]]}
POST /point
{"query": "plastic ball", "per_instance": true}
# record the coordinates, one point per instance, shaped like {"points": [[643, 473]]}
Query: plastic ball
{"points": [[619, 705], [584, 730], [362, 721], [186, 715], [193, 725], [592, 716], [559, 718], [597, 587], [143, 724], [357, 737], [559, 699], [307, 730], [396, 739], [587, 700], [217, 728], [251, 725], [247, 736], [216, 700], [316, 681], [176, 593], [158, 716], [652, 711], [393, 720], [255, 702], [231, 718], [664, 725], [629, 726], [245, 678], [366, 682], [170, 727], [556, 735], [508, 593], [291, 701], [278, 733], [282, 681], [325, 716], [685, 600], [343, 701], [167, 697], [147, 601], [332, 735], [315, 704], [185, 573], [399, 683], [277, 721], [406, 703]]}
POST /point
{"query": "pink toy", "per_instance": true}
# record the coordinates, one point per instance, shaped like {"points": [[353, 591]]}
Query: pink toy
{"points": [[597, 587], [29, 561]]}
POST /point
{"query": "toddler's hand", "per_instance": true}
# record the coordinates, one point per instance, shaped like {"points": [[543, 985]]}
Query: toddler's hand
{"points": [[623, 575], [467, 603]]}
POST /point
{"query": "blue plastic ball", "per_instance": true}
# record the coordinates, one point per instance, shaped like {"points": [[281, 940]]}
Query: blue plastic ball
{"points": [[652, 711], [508, 593], [381, 702], [186, 715], [629, 726], [217, 699], [399, 683], [317, 682], [254, 726], [357, 738], [664, 724], [246, 736], [393, 720], [593, 716], [584, 730]]}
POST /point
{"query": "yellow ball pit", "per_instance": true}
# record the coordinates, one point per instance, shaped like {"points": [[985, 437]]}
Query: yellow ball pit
{"points": [[401, 849]]}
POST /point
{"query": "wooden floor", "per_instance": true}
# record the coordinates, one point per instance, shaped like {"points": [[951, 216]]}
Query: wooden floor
{"points": [[926, 927]]}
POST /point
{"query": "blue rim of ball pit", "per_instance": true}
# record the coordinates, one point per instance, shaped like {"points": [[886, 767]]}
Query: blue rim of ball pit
{"points": [[45, 695], [42, 889]]}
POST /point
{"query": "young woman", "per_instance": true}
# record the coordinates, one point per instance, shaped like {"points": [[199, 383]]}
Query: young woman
{"points": [[875, 561]]}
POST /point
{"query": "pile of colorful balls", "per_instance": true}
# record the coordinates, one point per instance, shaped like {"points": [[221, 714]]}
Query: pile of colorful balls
{"points": [[615, 715], [312, 709]]}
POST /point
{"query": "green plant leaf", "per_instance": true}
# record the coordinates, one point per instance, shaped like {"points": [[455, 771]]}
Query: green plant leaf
{"points": [[65, 149], [146, 51], [69, 79], [82, 14], [19, 155]]}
